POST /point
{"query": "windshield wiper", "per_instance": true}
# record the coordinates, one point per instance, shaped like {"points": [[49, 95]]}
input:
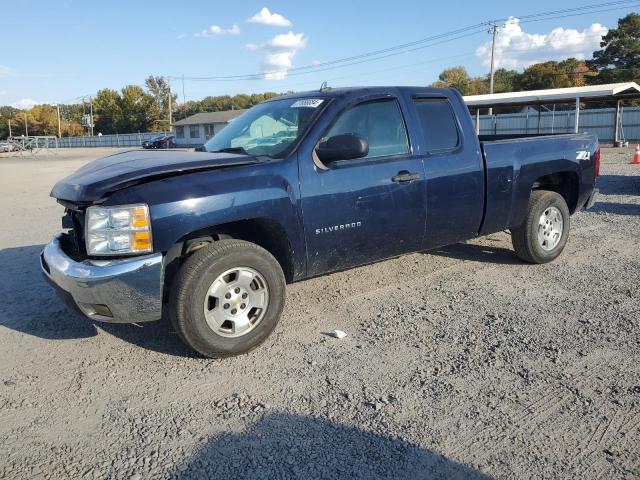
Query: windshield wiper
{"points": [[239, 150]]}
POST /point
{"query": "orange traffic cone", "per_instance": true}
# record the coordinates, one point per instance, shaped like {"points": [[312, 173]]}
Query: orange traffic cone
{"points": [[636, 157]]}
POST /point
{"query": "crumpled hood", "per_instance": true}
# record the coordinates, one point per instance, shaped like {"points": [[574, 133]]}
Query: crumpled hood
{"points": [[108, 174]]}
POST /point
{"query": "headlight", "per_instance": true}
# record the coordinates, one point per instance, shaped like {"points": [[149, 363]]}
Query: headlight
{"points": [[120, 230]]}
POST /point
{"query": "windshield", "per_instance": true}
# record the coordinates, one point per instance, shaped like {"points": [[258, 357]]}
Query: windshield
{"points": [[269, 128]]}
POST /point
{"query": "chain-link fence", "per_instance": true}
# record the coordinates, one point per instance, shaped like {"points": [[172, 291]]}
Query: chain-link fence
{"points": [[116, 140]]}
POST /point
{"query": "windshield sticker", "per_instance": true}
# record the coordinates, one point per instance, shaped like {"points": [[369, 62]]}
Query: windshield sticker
{"points": [[307, 103]]}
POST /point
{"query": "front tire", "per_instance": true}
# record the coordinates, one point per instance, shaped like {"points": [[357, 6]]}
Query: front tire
{"points": [[227, 298], [545, 231]]}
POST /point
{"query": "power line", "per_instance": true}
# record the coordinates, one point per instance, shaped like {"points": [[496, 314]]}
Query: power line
{"points": [[333, 67], [616, 5], [356, 59], [424, 42], [389, 71], [582, 13]]}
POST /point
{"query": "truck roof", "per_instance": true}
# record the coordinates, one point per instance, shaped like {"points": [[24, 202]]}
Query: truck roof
{"points": [[348, 91]]}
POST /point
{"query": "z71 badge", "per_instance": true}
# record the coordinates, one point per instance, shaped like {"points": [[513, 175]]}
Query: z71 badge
{"points": [[583, 155]]}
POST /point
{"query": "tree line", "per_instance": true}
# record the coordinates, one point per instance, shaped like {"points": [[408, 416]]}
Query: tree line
{"points": [[132, 109], [142, 109]]}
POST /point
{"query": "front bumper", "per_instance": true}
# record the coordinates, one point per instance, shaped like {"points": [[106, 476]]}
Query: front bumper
{"points": [[118, 291]]}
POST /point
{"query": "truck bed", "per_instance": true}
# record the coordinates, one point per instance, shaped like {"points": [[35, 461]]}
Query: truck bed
{"points": [[515, 163]]}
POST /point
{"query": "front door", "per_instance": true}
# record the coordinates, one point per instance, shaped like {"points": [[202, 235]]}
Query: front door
{"points": [[362, 210]]}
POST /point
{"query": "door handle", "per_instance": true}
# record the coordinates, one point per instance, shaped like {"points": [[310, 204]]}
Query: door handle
{"points": [[405, 176]]}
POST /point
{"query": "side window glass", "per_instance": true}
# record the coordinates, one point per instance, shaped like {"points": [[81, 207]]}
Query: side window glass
{"points": [[438, 124], [379, 122]]}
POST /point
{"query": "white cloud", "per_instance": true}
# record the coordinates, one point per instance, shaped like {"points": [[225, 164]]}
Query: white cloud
{"points": [[6, 71], [287, 41], [265, 17], [181, 36], [516, 48], [25, 103], [215, 30], [279, 53]]}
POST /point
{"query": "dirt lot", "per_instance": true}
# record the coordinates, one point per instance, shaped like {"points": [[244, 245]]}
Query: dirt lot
{"points": [[462, 363]]}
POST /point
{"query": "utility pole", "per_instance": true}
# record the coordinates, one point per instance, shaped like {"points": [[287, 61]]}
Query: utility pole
{"points": [[9, 122], [26, 128], [494, 32], [91, 114], [184, 98], [59, 129], [170, 115]]}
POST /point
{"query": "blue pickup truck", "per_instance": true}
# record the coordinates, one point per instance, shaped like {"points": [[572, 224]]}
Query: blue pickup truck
{"points": [[297, 187]]}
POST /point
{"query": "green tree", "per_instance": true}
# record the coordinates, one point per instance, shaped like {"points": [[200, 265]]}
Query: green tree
{"points": [[107, 112], [454, 77], [505, 80], [223, 102], [619, 60], [43, 120], [478, 86], [552, 74], [6, 114], [137, 109], [159, 89], [71, 117]]}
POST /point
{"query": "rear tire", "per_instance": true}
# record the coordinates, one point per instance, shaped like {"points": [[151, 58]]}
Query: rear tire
{"points": [[545, 231], [227, 298]]}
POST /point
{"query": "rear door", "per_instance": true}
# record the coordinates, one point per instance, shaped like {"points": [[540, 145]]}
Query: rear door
{"points": [[454, 172], [361, 210]]}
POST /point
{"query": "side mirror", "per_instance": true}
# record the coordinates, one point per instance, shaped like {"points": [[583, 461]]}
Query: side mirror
{"points": [[342, 147]]}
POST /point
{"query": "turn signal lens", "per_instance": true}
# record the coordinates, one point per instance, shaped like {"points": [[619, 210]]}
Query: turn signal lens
{"points": [[142, 242], [140, 217], [122, 230]]}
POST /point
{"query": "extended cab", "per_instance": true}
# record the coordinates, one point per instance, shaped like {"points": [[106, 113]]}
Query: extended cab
{"points": [[296, 187]]}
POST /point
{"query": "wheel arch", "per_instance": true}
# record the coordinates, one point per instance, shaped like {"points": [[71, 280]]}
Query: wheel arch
{"points": [[265, 232], [564, 183]]}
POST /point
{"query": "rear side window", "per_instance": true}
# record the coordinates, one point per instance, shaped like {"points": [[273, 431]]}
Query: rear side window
{"points": [[438, 123], [379, 122]]}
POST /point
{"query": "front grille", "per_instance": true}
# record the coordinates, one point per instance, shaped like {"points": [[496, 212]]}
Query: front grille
{"points": [[78, 231], [73, 240]]}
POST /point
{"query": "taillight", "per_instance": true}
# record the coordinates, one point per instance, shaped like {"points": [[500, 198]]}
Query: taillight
{"points": [[596, 156]]}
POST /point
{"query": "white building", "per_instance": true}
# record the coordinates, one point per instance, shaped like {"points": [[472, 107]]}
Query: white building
{"points": [[195, 130]]}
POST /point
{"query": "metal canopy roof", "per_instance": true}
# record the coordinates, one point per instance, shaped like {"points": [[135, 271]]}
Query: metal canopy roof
{"points": [[612, 91]]}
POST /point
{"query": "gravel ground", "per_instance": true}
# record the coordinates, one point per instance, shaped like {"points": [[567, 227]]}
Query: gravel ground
{"points": [[459, 363]]}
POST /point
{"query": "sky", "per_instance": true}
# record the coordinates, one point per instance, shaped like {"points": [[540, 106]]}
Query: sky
{"points": [[63, 50]]}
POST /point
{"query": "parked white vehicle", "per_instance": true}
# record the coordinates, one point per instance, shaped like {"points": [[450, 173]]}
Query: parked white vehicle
{"points": [[6, 147]]}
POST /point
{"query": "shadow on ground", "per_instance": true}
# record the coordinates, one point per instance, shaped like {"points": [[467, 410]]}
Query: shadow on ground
{"points": [[619, 184], [290, 446], [616, 208], [477, 253], [31, 306]]}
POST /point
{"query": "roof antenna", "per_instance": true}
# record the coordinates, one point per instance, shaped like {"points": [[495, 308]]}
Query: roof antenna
{"points": [[324, 86]]}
